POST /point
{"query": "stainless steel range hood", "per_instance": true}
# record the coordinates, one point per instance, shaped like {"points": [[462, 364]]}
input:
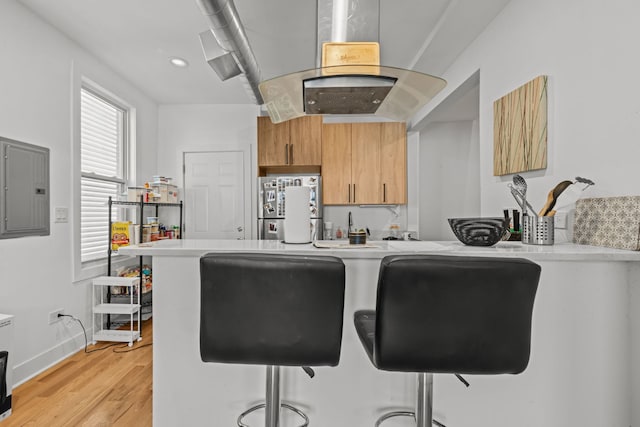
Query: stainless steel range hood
{"points": [[285, 96], [349, 85]]}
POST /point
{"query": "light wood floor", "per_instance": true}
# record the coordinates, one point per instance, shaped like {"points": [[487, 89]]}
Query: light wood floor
{"points": [[103, 388]]}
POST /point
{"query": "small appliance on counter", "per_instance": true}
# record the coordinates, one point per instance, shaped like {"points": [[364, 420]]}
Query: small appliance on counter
{"points": [[272, 206], [297, 218], [6, 372]]}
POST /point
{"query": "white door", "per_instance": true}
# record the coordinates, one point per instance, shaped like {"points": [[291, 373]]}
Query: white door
{"points": [[214, 183]]}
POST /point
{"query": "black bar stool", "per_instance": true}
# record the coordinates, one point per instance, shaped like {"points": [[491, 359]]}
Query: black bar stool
{"points": [[273, 310], [449, 314]]}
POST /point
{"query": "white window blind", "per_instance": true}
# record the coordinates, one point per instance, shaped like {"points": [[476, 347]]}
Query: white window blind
{"points": [[102, 157]]}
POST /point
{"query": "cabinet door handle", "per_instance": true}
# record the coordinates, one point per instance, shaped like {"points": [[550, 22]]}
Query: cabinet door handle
{"points": [[384, 192], [291, 154], [349, 193], [286, 154], [354, 193]]}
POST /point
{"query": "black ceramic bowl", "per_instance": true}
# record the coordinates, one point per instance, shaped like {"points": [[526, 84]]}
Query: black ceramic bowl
{"points": [[479, 231]]}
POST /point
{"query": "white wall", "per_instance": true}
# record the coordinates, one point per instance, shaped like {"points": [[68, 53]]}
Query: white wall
{"points": [[40, 67], [587, 50], [449, 185], [185, 128]]}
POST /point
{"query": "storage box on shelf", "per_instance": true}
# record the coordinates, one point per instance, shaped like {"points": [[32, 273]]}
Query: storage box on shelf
{"points": [[103, 308], [164, 193]]}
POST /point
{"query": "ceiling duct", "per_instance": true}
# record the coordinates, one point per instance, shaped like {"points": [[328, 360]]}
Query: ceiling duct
{"points": [[229, 34], [349, 78]]}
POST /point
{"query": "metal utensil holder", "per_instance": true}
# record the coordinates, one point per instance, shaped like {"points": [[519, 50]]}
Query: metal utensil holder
{"points": [[538, 230]]}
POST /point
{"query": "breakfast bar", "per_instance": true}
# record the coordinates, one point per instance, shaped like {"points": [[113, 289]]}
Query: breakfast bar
{"points": [[583, 369]]}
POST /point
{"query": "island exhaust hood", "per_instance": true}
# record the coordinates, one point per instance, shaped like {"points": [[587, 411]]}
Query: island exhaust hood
{"points": [[349, 79]]}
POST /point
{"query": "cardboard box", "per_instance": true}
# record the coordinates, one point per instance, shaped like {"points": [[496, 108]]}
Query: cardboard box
{"points": [[120, 235], [6, 364]]}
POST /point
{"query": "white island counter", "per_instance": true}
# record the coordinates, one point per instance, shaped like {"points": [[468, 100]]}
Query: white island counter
{"points": [[584, 368]]}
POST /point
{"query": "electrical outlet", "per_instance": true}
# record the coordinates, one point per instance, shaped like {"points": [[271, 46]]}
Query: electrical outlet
{"points": [[560, 219], [53, 315]]}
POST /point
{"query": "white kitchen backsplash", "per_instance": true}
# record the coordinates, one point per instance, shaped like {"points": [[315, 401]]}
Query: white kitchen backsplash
{"points": [[377, 218]]}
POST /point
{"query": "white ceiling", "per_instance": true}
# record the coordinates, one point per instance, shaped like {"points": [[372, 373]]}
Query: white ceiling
{"points": [[136, 38]]}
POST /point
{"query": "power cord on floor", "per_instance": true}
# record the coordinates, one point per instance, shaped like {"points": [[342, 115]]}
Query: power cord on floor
{"points": [[86, 343], [115, 350]]}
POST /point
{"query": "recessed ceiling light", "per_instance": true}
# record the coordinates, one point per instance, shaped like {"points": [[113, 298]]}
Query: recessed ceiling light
{"points": [[179, 62]]}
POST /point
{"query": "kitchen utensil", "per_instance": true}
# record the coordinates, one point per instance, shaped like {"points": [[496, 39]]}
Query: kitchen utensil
{"points": [[570, 196], [524, 204], [552, 197], [479, 231], [515, 195], [521, 185], [584, 181]]}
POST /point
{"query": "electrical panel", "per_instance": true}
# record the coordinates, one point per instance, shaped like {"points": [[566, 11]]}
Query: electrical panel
{"points": [[24, 189]]}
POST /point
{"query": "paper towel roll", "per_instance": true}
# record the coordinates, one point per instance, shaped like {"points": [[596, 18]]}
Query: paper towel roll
{"points": [[297, 217]]}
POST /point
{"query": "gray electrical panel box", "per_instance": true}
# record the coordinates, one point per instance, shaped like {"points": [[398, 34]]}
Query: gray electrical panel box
{"points": [[24, 185]]}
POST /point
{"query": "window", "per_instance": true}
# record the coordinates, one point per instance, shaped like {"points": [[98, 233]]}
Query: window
{"points": [[103, 148]]}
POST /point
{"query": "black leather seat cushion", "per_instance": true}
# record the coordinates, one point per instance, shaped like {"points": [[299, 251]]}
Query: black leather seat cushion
{"points": [[451, 314], [271, 309]]}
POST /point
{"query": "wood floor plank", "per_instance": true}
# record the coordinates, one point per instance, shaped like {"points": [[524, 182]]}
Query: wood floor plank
{"points": [[104, 388]]}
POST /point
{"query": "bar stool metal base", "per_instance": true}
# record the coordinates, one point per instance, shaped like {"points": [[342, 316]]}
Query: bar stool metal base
{"points": [[282, 405], [423, 414], [403, 414], [272, 402]]}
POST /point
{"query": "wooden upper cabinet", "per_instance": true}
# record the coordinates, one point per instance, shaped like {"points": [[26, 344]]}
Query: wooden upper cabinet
{"points": [[296, 142], [336, 164], [273, 142], [305, 141], [365, 163], [393, 155]]}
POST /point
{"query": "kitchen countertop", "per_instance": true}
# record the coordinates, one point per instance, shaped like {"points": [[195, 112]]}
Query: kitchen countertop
{"points": [[557, 252]]}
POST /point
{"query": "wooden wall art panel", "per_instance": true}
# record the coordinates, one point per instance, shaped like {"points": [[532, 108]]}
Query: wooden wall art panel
{"points": [[520, 129]]}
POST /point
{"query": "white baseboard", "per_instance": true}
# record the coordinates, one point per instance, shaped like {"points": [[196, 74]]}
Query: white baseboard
{"points": [[23, 372]]}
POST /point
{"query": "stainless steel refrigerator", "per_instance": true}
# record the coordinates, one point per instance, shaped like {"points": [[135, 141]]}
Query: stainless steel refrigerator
{"points": [[271, 204]]}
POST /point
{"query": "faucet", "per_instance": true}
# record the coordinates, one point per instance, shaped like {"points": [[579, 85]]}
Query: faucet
{"points": [[350, 222]]}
